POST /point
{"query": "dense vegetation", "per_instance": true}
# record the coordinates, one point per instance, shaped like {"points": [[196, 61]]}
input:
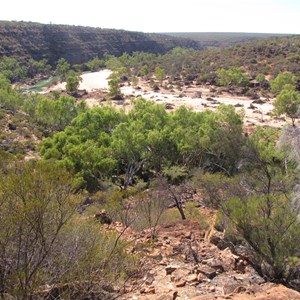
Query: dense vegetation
{"points": [[137, 164], [259, 60], [79, 44], [222, 39]]}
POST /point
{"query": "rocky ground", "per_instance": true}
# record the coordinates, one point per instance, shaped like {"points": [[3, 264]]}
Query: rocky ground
{"points": [[182, 263]]}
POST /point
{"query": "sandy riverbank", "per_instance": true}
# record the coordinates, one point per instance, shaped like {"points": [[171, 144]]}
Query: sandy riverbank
{"points": [[254, 113]]}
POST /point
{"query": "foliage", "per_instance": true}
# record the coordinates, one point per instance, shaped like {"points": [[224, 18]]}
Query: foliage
{"points": [[95, 64], [261, 212], [159, 74], [232, 77], [13, 69], [114, 85], [53, 114], [62, 68], [73, 81], [288, 102], [38, 67], [9, 98], [44, 242], [270, 227], [105, 142], [36, 202], [282, 79], [83, 146]]}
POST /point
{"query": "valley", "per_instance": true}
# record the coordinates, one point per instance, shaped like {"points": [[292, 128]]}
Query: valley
{"points": [[144, 166]]}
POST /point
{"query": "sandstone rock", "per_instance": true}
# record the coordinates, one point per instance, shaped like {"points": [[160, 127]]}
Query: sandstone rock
{"points": [[191, 278], [170, 270], [148, 290], [201, 277], [239, 289], [180, 273], [156, 253], [180, 283], [165, 297], [207, 271], [212, 289], [215, 264]]}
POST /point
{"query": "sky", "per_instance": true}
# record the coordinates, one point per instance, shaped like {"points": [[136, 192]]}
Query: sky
{"points": [[262, 16]]}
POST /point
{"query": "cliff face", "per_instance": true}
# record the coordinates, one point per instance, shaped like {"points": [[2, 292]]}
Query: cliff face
{"points": [[78, 44]]}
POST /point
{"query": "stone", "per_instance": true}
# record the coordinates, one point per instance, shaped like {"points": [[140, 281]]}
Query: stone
{"points": [[180, 273], [239, 289], [148, 290], [201, 277], [170, 270], [191, 278], [212, 289], [156, 254], [207, 271], [180, 283]]}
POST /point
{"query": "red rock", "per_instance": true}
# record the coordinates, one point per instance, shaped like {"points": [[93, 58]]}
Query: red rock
{"points": [[148, 290], [191, 277], [207, 271], [170, 269], [239, 289], [200, 277], [212, 289], [180, 283]]}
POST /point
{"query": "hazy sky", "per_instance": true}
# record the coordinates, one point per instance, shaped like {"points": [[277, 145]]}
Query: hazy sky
{"points": [[270, 16]]}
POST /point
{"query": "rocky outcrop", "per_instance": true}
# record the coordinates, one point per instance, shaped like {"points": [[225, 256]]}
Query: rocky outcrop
{"points": [[181, 263]]}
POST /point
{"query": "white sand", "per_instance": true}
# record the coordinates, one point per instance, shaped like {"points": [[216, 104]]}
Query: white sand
{"points": [[99, 80], [90, 82]]}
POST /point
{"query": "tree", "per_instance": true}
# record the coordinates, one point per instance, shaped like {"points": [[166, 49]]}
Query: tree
{"points": [[151, 205], [145, 70], [159, 74], [12, 69], [95, 64], [38, 67], [263, 215], [62, 68], [73, 81], [288, 102], [36, 202], [232, 77], [282, 79], [114, 86], [9, 97], [53, 114]]}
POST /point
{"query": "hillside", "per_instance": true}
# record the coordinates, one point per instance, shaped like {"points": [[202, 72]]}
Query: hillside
{"points": [[223, 39], [78, 44]]}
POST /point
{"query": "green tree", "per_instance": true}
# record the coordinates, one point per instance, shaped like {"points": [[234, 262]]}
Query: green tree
{"points": [[145, 70], [73, 81], [9, 97], [282, 79], [288, 102], [38, 67], [95, 64], [159, 74], [62, 68], [13, 69], [271, 228], [114, 86], [36, 202], [232, 77]]}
